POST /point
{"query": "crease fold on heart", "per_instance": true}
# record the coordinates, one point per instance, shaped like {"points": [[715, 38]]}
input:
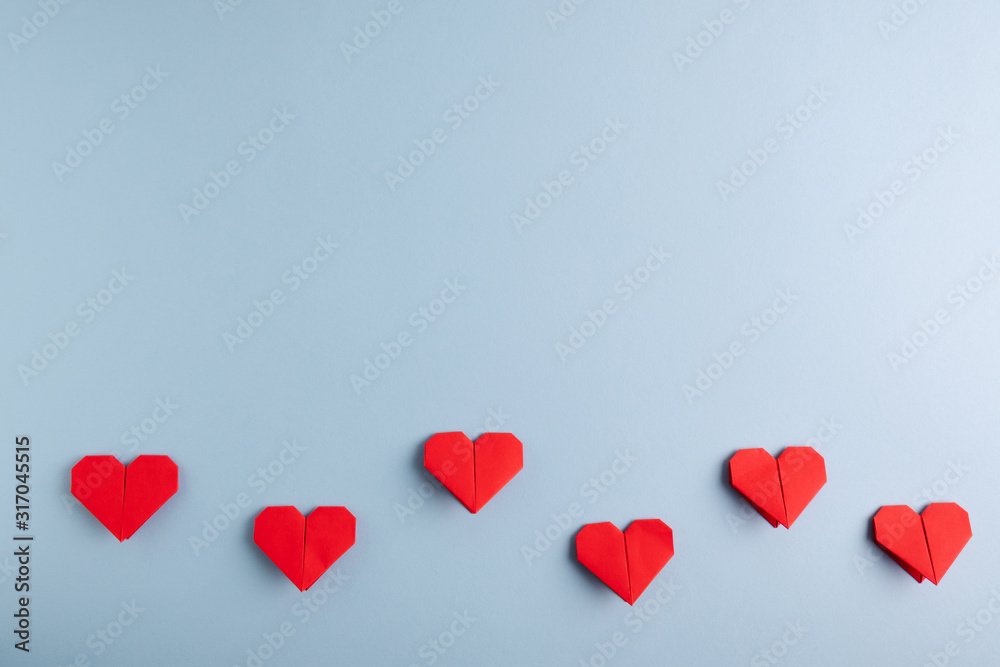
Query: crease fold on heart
{"points": [[925, 545], [778, 488], [123, 497], [304, 548], [474, 472], [626, 561]]}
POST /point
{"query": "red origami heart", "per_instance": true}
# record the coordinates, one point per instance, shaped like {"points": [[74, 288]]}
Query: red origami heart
{"points": [[627, 562], [124, 498], [304, 548], [778, 489], [926, 544], [474, 472]]}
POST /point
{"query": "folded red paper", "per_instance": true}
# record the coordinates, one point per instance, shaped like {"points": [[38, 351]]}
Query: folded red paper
{"points": [[626, 562], [123, 498], [473, 472], [304, 548], [778, 488], [926, 544]]}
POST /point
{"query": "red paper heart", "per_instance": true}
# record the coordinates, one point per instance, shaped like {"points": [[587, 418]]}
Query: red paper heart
{"points": [[626, 562], [124, 498], [778, 488], [473, 472], [926, 544], [304, 548]]}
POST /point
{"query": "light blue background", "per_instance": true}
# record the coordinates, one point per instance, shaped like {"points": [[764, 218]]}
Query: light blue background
{"points": [[739, 584]]}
